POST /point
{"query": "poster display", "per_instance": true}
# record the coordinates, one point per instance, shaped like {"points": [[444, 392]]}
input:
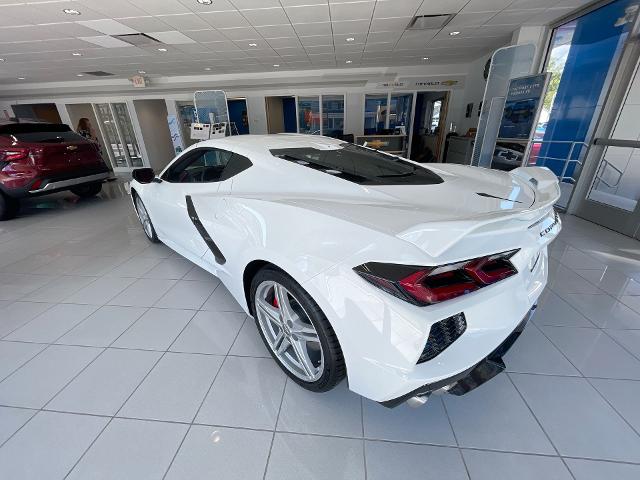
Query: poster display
{"points": [[521, 107]]}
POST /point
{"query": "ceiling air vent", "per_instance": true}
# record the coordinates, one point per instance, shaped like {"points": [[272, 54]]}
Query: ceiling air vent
{"points": [[138, 39], [430, 22], [99, 73]]}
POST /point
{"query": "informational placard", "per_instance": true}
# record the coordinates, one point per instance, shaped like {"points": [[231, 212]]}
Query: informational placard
{"points": [[522, 106], [176, 136], [200, 131]]}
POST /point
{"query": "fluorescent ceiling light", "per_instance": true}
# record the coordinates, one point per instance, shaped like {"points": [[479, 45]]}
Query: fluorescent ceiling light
{"points": [[350, 39], [162, 49], [453, 34], [20, 78], [253, 44], [348, 61], [276, 65], [207, 68], [76, 54], [79, 75], [70, 11], [205, 2], [108, 27]]}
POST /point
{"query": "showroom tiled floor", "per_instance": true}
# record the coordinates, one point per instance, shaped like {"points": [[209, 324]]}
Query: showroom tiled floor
{"points": [[119, 359]]}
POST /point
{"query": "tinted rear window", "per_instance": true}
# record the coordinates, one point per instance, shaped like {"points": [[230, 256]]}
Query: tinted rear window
{"points": [[360, 165], [40, 132]]}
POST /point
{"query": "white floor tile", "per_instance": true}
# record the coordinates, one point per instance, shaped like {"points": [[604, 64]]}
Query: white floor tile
{"points": [[604, 311], [134, 449], [209, 332], [14, 286], [15, 314], [142, 293], [197, 273], [337, 412], [576, 418], [246, 393], [36, 382], [170, 268], [629, 339], [222, 301], [174, 389], [485, 465], [134, 267], [15, 354], [428, 424], [407, 462], [155, 330], [59, 289], [187, 294], [63, 265], [494, 416], [104, 386], [11, 419], [227, 453], [593, 470], [100, 291], [52, 324], [568, 281], [54, 442], [623, 395], [611, 281], [249, 343], [553, 310], [315, 458], [103, 327]]}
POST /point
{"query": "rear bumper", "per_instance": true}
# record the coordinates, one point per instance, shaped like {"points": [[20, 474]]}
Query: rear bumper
{"points": [[470, 379], [57, 183]]}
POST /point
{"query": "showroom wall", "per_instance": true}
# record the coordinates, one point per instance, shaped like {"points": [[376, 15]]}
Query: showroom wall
{"points": [[152, 117]]}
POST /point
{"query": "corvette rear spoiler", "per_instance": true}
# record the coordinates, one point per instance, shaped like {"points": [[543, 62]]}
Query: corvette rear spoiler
{"points": [[435, 238]]}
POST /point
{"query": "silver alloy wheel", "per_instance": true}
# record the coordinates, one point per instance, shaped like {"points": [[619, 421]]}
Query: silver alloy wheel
{"points": [[144, 217], [289, 332]]}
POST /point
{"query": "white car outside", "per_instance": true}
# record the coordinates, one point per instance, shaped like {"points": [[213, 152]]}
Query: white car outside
{"points": [[406, 278]]}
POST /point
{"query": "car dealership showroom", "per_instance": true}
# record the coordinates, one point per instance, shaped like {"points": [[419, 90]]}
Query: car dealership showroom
{"points": [[320, 239]]}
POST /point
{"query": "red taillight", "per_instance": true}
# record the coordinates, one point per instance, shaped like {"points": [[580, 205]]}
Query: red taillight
{"points": [[12, 154], [429, 285]]}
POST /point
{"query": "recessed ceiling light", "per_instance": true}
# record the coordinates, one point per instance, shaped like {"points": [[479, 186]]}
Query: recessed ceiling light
{"points": [[350, 39], [162, 49], [205, 2], [79, 75], [348, 61], [276, 65], [207, 68], [425, 58], [453, 34], [141, 72], [20, 78], [76, 54], [3, 59], [253, 44], [70, 11]]}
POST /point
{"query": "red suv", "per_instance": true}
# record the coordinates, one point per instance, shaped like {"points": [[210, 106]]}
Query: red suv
{"points": [[41, 158]]}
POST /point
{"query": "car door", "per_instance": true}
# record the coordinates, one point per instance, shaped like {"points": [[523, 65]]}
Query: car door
{"points": [[198, 171]]}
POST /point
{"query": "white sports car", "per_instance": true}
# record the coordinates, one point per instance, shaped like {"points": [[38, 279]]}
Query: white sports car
{"points": [[406, 278]]}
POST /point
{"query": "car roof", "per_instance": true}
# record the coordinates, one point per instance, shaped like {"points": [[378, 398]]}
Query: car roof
{"points": [[259, 144]]}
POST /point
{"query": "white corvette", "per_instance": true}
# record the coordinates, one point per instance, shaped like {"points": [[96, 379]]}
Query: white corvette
{"points": [[406, 278]]}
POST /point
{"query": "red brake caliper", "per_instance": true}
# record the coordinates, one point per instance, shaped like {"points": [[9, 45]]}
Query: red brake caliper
{"points": [[275, 300]]}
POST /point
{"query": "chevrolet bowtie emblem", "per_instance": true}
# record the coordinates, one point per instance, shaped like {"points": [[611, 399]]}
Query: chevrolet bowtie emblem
{"points": [[72, 148], [377, 144]]}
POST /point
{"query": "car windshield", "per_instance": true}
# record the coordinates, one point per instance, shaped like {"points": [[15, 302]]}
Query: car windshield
{"points": [[360, 165]]}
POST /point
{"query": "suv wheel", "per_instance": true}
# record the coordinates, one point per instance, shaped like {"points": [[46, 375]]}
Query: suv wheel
{"points": [[296, 332], [87, 190], [8, 207]]}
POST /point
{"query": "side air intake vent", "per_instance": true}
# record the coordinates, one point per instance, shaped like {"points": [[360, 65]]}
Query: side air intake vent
{"points": [[99, 73], [443, 334]]}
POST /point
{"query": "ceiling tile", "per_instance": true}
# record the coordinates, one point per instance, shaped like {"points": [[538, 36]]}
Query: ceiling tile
{"points": [[320, 49], [351, 26], [216, 6], [209, 35], [284, 42], [352, 11], [438, 7], [375, 37], [341, 38], [145, 24], [275, 31], [390, 24], [225, 19], [239, 33], [108, 27], [475, 6], [471, 19], [47, 12], [379, 47], [549, 16], [105, 41], [266, 16], [247, 4], [393, 8], [308, 13], [260, 45], [172, 37], [316, 40], [111, 8], [307, 29], [184, 21], [163, 7], [515, 17], [294, 3], [349, 47]]}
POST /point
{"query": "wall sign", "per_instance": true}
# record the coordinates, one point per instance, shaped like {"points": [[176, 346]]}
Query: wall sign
{"points": [[436, 82], [139, 81]]}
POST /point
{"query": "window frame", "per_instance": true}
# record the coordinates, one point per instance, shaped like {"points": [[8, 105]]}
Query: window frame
{"points": [[193, 154]]}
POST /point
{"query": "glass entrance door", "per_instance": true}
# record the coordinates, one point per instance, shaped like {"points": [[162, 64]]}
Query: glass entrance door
{"points": [[120, 139]]}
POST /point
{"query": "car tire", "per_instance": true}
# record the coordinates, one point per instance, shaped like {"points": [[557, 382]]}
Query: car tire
{"points": [[145, 219], [9, 207], [325, 354], [87, 190]]}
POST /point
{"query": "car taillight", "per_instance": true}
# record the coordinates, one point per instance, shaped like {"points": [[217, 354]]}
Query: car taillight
{"points": [[429, 285], [12, 155]]}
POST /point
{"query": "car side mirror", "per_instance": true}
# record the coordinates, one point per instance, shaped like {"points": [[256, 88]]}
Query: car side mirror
{"points": [[143, 175]]}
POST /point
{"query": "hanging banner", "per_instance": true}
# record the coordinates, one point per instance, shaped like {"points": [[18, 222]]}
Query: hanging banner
{"points": [[176, 136]]}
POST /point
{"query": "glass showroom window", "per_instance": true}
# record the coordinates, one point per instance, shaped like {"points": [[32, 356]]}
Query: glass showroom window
{"points": [[333, 115], [400, 111], [309, 115], [116, 127], [375, 113]]}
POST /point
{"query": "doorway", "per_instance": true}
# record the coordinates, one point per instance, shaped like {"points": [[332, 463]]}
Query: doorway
{"points": [[152, 117], [42, 112], [427, 135], [238, 116], [78, 111], [281, 114]]}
